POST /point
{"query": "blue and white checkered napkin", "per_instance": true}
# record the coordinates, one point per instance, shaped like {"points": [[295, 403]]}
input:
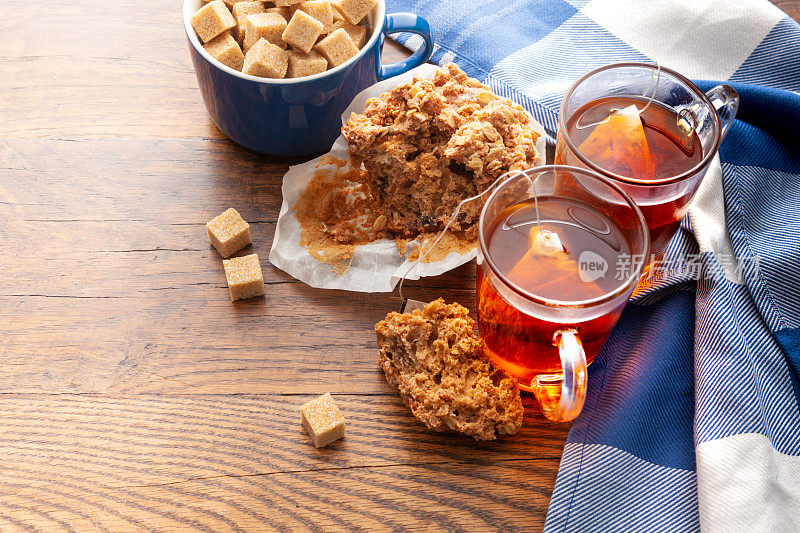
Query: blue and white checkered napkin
{"points": [[693, 413]]}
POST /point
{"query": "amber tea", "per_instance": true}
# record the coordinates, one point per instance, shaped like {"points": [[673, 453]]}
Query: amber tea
{"points": [[549, 290], [644, 142], [649, 142], [569, 253]]}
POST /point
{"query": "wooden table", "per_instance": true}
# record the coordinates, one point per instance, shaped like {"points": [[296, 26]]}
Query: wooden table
{"points": [[136, 396]]}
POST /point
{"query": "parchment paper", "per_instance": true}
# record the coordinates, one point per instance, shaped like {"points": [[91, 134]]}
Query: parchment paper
{"points": [[376, 267]]}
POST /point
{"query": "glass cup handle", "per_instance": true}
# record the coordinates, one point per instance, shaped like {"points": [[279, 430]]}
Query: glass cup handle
{"points": [[565, 404], [725, 100]]}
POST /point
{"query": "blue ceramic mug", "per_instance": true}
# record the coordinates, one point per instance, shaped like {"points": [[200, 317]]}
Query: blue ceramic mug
{"points": [[298, 116]]}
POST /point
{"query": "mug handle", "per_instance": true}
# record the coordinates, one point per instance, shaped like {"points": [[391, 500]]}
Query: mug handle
{"points": [[566, 404], [406, 22], [725, 100]]}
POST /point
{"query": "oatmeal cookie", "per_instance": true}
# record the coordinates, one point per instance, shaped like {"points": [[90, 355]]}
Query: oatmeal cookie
{"points": [[428, 144], [437, 362]]}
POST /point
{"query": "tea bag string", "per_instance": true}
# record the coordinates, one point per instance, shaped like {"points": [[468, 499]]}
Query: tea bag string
{"points": [[640, 111], [655, 87], [450, 222]]}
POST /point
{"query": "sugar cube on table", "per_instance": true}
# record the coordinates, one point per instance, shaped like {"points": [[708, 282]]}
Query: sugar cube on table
{"points": [[337, 47], [301, 64], [322, 420], [212, 19], [266, 60], [302, 31], [244, 276], [320, 10], [241, 10], [356, 32], [354, 10], [267, 26], [228, 232]]}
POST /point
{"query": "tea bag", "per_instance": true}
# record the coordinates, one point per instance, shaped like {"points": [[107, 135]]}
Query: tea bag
{"points": [[619, 144], [548, 267], [543, 244]]}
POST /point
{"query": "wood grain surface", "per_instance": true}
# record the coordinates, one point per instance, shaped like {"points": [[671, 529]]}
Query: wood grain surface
{"points": [[135, 395]]}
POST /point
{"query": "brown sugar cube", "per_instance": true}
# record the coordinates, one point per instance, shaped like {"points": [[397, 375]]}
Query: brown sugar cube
{"points": [[244, 277], [337, 47], [241, 10], [285, 3], [356, 32], [320, 10], [336, 14], [266, 60], [322, 420], [228, 232], [225, 49], [354, 10], [302, 31], [301, 64], [267, 26], [211, 20]]}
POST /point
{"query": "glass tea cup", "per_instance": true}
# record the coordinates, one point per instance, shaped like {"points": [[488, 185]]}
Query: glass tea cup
{"points": [[549, 290], [682, 129]]}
